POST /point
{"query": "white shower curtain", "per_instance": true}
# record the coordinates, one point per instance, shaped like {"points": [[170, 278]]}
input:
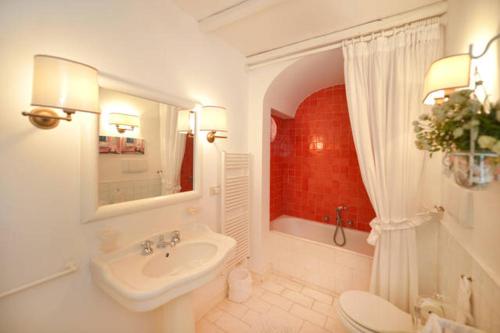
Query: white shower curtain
{"points": [[172, 147], [384, 80]]}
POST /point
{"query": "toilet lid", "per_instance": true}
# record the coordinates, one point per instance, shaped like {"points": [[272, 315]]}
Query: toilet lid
{"points": [[374, 313]]}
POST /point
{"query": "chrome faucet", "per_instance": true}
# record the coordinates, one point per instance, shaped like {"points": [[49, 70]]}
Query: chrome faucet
{"points": [[147, 247], [339, 210], [175, 237], [162, 243]]}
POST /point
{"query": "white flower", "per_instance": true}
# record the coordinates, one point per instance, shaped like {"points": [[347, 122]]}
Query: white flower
{"points": [[474, 122], [486, 142], [496, 147], [458, 132]]}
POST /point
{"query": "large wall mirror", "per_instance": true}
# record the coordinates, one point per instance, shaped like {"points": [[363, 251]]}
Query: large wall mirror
{"points": [[145, 152]]}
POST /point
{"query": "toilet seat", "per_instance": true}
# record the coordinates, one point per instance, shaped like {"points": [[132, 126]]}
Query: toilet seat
{"points": [[367, 313]]}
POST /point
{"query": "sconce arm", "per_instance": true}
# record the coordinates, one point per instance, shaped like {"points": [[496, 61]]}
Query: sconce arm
{"points": [[47, 116], [485, 49]]}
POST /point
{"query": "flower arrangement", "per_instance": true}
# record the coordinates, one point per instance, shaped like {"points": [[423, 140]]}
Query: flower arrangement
{"points": [[450, 125]]}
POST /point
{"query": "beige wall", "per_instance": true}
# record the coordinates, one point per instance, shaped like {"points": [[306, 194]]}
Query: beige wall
{"points": [[474, 250], [152, 43], [475, 22]]}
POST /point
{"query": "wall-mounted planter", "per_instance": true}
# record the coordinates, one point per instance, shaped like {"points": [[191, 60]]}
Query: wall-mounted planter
{"points": [[473, 170]]}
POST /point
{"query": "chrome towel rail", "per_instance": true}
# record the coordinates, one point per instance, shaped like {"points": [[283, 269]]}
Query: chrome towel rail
{"points": [[69, 268]]}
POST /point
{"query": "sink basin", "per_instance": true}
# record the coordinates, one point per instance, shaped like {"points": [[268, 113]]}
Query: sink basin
{"points": [[143, 283], [185, 257]]}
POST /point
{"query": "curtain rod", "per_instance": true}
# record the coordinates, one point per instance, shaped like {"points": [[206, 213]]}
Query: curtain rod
{"points": [[338, 43]]}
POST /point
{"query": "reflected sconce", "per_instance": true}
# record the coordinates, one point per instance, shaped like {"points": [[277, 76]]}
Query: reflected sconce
{"points": [[452, 73], [214, 120], [123, 122], [61, 84], [185, 122]]}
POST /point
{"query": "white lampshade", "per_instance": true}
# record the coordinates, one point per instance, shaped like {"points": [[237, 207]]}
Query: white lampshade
{"points": [[213, 118], [64, 84], [184, 121], [448, 73], [123, 120]]}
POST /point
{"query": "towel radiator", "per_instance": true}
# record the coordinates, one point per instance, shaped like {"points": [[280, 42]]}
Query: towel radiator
{"points": [[235, 204]]}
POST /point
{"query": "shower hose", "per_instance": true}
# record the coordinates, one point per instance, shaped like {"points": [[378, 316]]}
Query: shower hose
{"points": [[339, 226], [342, 235]]}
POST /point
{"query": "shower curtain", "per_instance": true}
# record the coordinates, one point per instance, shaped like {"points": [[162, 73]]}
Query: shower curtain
{"points": [[384, 80], [172, 146]]}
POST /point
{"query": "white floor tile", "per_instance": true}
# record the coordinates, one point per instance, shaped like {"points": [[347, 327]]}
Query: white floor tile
{"points": [[272, 287], [308, 314], [288, 283], [298, 298], [231, 324], [204, 326], [252, 318], [318, 295], [279, 321], [257, 290], [335, 326], [257, 304], [311, 328], [297, 309], [213, 314], [277, 300], [325, 309]]}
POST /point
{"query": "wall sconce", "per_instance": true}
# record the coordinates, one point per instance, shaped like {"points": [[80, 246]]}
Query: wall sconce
{"points": [[185, 122], [62, 84], [123, 122], [471, 168], [213, 119], [452, 73], [445, 76]]}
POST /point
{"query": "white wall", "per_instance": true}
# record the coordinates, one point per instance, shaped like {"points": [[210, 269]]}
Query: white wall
{"points": [[259, 127], [463, 250], [148, 42], [473, 22]]}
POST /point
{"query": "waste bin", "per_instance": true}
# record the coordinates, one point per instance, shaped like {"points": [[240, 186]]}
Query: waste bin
{"points": [[240, 285]]}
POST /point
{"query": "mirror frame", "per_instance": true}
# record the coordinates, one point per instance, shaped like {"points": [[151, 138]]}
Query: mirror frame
{"points": [[89, 157]]}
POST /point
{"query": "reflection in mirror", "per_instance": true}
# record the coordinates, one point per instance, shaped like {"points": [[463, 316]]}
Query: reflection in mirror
{"points": [[142, 151]]}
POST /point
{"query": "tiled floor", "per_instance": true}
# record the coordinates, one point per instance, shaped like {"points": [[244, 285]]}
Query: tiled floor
{"points": [[277, 305]]}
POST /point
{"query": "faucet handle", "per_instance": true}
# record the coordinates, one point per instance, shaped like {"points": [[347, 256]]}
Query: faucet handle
{"points": [[341, 208], [147, 247], [175, 236]]}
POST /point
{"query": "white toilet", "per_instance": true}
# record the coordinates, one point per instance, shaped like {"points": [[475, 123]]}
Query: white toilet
{"points": [[362, 312]]}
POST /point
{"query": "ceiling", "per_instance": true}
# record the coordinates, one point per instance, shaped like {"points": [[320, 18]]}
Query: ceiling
{"points": [[257, 26], [204, 8]]}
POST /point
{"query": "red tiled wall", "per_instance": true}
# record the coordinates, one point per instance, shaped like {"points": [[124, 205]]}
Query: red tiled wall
{"points": [[187, 166], [320, 171]]}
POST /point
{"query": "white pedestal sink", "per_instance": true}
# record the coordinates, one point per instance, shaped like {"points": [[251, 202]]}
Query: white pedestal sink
{"points": [[144, 283]]}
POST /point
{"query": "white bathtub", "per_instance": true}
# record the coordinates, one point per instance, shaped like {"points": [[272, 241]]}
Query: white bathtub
{"points": [[305, 250], [323, 233]]}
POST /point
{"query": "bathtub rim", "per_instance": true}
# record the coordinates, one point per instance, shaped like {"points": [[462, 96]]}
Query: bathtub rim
{"points": [[284, 234]]}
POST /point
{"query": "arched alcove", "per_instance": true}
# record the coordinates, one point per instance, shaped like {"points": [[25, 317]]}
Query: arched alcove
{"points": [[302, 78]]}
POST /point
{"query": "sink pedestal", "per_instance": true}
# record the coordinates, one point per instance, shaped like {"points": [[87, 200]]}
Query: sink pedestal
{"points": [[177, 315]]}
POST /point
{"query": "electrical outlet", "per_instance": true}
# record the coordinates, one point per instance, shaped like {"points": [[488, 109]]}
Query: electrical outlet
{"points": [[215, 190]]}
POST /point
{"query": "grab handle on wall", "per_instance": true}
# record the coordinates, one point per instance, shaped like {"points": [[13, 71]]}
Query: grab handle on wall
{"points": [[69, 268]]}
